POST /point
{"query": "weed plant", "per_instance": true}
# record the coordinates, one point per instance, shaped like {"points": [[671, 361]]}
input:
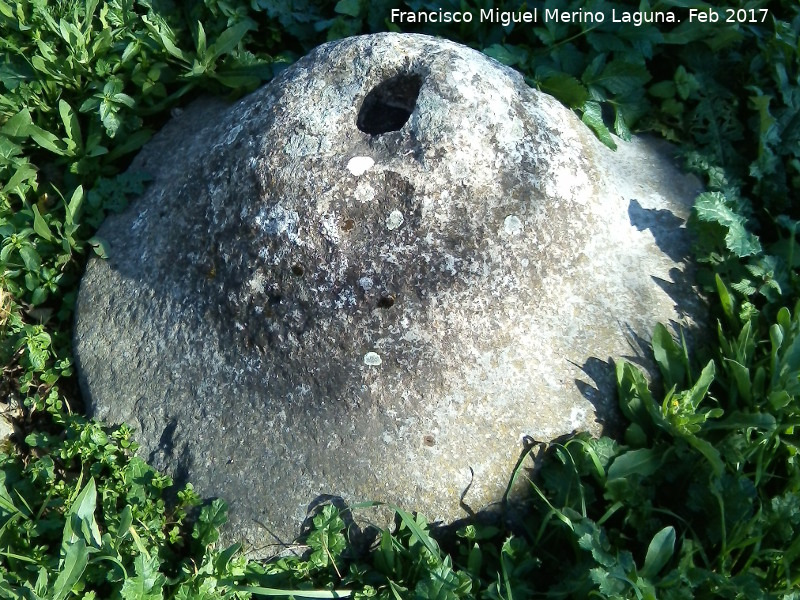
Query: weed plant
{"points": [[699, 499]]}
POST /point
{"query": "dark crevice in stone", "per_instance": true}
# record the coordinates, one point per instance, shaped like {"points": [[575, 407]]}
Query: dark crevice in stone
{"points": [[389, 104]]}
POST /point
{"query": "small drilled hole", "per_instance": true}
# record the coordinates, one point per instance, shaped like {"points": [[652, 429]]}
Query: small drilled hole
{"points": [[389, 104], [348, 224], [429, 440], [298, 270], [386, 301]]}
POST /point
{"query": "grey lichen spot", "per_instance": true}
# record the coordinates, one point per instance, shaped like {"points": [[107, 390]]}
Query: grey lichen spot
{"points": [[394, 220], [358, 165], [372, 359], [512, 225], [365, 283]]}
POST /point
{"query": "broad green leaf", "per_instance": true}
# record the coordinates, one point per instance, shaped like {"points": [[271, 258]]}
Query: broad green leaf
{"points": [[74, 206], [5, 9], [167, 38], [147, 583], [31, 258], [669, 357], [710, 453], [740, 420], [24, 172], [121, 98], [350, 8], [71, 125], [80, 521], [725, 298], [418, 533], [644, 462], [699, 390], [265, 591], [89, 7], [741, 375], [229, 39], [635, 400], [662, 89], [660, 550], [76, 557], [19, 125], [47, 140], [40, 225]]}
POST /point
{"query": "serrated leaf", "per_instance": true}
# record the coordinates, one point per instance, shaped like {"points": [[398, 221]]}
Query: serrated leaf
{"points": [[567, 89], [506, 54], [441, 583], [593, 117], [212, 517], [620, 77], [711, 207], [620, 125]]}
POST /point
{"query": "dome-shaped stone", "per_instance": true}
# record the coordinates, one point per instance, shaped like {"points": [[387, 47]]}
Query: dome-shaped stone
{"points": [[371, 278]]}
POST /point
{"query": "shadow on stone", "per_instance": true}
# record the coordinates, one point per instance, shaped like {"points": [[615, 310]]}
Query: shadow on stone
{"points": [[662, 224]]}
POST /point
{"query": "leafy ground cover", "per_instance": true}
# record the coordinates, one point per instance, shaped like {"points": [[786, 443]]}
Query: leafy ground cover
{"points": [[699, 499]]}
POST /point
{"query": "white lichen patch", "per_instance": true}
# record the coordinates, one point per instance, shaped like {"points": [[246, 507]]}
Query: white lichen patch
{"points": [[329, 228], [364, 192], [372, 359], [512, 225], [276, 221], [358, 165], [365, 283], [258, 283], [394, 220]]}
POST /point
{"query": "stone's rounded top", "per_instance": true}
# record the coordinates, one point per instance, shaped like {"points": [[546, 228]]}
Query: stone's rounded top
{"points": [[370, 278]]}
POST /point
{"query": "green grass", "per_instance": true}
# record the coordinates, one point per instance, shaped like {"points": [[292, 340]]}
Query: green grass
{"points": [[699, 499]]}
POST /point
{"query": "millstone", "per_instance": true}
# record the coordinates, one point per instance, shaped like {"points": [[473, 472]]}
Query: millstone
{"points": [[373, 278]]}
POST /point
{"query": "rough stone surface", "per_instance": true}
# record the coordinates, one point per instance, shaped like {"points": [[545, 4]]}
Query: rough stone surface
{"points": [[371, 278]]}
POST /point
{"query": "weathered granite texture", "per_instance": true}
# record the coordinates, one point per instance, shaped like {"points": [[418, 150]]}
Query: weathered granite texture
{"points": [[372, 277]]}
